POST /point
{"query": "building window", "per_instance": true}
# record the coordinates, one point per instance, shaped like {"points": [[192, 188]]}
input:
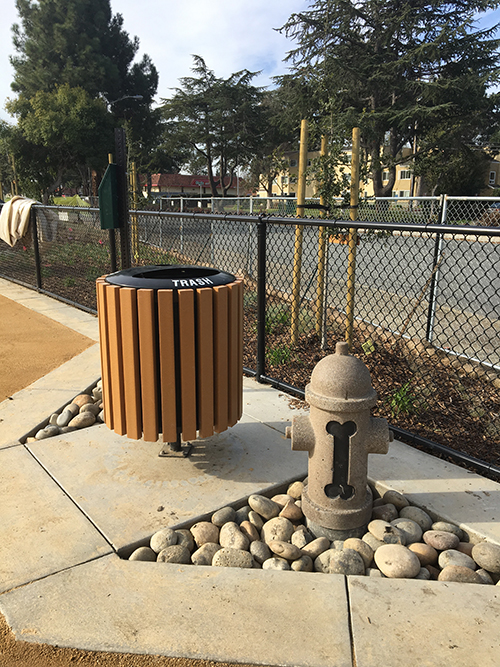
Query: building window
{"points": [[385, 176], [309, 163], [293, 179], [493, 177], [284, 180], [293, 163], [405, 174]]}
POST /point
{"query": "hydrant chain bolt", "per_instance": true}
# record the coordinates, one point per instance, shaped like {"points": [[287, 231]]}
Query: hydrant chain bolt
{"points": [[339, 433]]}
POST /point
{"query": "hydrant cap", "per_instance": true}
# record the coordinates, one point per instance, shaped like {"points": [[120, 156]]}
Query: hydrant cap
{"points": [[341, 377]]}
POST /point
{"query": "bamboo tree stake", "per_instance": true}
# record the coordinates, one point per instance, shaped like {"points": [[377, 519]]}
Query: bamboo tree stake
{"points": [[320, 292], [353, 237], [299, 231]]}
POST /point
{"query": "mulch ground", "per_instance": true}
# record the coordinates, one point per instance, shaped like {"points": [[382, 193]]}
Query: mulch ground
{"points": [[419, 389]]}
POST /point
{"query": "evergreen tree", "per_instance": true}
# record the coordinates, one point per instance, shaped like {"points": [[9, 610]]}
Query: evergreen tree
{"points": [[75, 50], [398, 68], [217, 122]]}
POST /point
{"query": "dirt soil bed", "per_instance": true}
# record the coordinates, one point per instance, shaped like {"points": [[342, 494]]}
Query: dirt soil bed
{"points": [[32, 345], [419, 389]]}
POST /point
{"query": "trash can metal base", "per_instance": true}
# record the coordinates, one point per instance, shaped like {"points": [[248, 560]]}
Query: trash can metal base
{"points": [[171, 359]]}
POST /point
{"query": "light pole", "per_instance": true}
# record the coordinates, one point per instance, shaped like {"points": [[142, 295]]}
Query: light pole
{"points": [[126, 97]]}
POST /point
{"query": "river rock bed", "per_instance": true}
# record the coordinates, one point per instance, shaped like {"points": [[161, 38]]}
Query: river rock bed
{"points": [[402, 541], [85, 409]]}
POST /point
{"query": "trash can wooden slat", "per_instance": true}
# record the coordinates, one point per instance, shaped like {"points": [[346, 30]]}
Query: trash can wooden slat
{"points": [[171, 351]]}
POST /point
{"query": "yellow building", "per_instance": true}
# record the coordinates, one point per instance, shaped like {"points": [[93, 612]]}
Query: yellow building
{"points": [[285, 184], [405, 185]]}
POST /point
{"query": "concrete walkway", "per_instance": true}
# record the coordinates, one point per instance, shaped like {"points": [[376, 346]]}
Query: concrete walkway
{"points": [[71, 505]]}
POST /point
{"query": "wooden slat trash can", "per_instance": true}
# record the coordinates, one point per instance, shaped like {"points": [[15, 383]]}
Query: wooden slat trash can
{"points": [[171, 352]]}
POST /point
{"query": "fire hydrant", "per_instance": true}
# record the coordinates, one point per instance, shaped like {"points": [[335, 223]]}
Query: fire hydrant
{"points": [[339, 433]]}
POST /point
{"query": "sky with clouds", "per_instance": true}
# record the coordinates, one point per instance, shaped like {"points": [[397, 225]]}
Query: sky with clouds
{"points": [[229, 34]]}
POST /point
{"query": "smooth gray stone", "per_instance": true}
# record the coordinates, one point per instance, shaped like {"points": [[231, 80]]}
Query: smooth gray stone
{"points": [[266, 507], [440, 539], [230, 536], [303, 564], [295, 490], [386, 532], [485, 577], [453, 557], [256, 520], [277, 528], [285, 549], [82, 420], [185, 538], [53, 419], [316, 547], [395, 498], [418, 515], [424, 574], [460, 574], [260, 551], [362, 547], [242, 514], [487, 556], [276, 563], [48, 432], [448, 528], [65, 417], [222, 516], [386, 512], [372, 541], [301, 537], [397, 562], [204, 531], [410, 529], [205, 554], [90, 407], [166, 537], [143, 553]]}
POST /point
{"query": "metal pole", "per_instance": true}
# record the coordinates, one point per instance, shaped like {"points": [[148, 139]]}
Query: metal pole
{"points": [[299, 232], [123, 213], [324, 341], [353, 237], [320, 292], [261, 299], [36, 248], [112, 237], [431, 312]]}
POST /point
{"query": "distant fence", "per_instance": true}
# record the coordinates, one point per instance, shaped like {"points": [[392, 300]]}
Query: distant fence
{"points": [[471, 211], [426, 297]]}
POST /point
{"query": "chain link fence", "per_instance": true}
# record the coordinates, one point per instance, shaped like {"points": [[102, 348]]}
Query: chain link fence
{"points": [[471, 211], [64, 253], [426, 298]]}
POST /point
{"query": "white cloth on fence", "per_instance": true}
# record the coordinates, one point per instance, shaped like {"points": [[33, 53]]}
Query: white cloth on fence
{"points": [[15, 218]]}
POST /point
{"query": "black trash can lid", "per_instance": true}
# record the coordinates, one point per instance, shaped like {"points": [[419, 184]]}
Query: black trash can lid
{"points": [[170, 276]]}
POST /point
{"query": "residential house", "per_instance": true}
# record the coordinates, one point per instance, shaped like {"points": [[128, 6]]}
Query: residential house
{"points": [[183, 185]]}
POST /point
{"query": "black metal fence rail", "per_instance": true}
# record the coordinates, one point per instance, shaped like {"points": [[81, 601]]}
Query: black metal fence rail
{"points": [[426, 301]]}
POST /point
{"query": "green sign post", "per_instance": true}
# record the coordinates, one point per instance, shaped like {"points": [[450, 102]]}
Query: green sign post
{"points": [[108, 199]]}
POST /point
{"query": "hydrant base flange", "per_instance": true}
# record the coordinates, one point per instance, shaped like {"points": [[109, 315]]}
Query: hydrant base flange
{"points": [[332, 534], [340, 520]]}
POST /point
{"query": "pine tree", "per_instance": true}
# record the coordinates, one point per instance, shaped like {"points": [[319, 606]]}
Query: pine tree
{"points": [[399, 68]]}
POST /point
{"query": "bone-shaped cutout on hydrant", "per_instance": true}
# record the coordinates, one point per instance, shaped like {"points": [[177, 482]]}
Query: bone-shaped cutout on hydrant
{"points": [[339, 433]]}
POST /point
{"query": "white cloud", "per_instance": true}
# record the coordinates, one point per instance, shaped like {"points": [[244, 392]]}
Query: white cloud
{"points": [[229, 34]]}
